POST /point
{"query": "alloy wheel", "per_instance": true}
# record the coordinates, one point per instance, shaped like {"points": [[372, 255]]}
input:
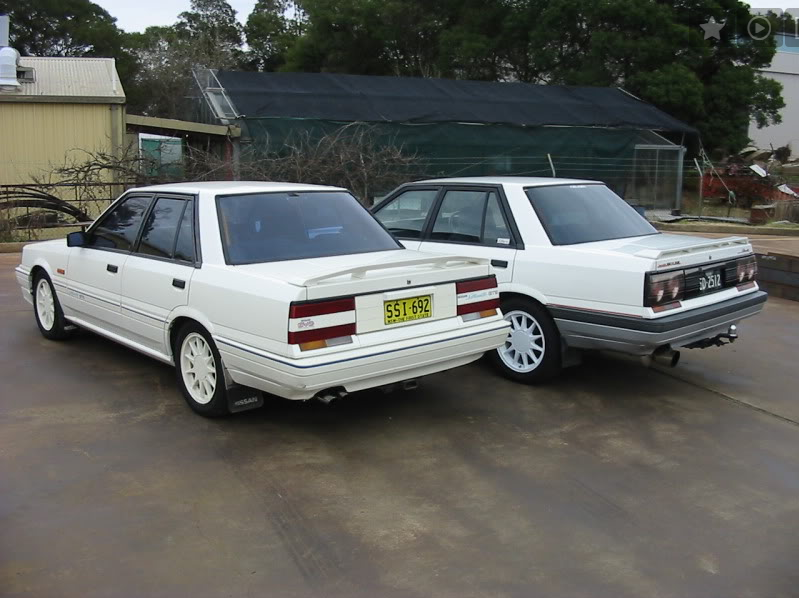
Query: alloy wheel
{"points": [[198, 367], [525, 346]]}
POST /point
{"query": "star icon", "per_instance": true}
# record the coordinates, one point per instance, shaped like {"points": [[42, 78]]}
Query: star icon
{"points": [[712, 29]]}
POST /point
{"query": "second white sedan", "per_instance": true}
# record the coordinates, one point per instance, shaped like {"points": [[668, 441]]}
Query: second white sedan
{"points": [[291, 289]]}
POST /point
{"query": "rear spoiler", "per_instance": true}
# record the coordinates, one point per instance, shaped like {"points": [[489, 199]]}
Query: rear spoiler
{"points": [[657, 254], [443, 261]]}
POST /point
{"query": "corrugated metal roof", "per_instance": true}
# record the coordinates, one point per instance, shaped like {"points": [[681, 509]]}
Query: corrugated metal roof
{"points": [[83, 80]]}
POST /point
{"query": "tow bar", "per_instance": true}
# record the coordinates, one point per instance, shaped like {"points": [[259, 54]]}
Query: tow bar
{"points": [[725, 338]]}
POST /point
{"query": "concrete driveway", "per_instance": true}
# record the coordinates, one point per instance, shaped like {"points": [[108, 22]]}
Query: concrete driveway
{"points": [[614, 481]]}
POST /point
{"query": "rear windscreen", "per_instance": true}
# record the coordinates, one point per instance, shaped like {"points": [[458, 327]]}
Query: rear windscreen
{"points": [[583, 213], [268, 227]]}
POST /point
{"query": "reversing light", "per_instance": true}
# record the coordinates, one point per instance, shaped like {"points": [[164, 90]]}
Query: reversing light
{"points": [[746, 269], [663, 289]]}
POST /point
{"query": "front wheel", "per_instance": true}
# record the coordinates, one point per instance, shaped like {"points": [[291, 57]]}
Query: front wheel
{"points": [[531, 352], [199, 371], [47, 309]]}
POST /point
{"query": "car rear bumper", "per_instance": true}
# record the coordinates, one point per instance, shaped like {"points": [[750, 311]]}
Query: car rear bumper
{"points": [[638, 336], [362, 368]]}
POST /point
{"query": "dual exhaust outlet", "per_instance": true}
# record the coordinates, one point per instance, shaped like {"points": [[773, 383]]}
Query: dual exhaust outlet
{"points": [[333, 394]]}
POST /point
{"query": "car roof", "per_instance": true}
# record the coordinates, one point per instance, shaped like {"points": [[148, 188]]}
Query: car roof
{"points": [[233, 187], [529, 181]]}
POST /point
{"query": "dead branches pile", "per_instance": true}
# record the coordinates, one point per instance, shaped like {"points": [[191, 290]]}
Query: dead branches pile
{"points": [[352, 156]]}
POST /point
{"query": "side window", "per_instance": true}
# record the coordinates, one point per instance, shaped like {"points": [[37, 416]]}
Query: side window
{"points": [[460, 217], [184, 249], [119, 228], [161, 227], [406, 214], [495, 229]]}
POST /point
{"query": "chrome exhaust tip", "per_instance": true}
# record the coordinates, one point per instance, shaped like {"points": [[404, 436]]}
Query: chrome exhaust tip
{"points": [[409, 385], [330, 395], [665, 356]]}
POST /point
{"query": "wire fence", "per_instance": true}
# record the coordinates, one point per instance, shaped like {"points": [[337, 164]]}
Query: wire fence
{"points": [[27, 212], [654, 180]]}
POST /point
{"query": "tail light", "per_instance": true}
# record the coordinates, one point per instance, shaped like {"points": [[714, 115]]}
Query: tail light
{"points": [[320, 324], [664, 291], [477, 298], [746, 270]]}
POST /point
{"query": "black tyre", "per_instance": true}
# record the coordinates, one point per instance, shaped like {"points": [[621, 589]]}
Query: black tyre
{"points": [[199, 371], [532, 351], [47, 309]]}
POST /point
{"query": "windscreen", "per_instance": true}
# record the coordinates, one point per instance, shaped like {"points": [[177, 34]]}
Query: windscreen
{"points": [[268, 227], [583, 213]]}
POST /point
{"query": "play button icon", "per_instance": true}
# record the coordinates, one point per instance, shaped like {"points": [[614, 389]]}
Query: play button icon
{"points": [[759, 28]]}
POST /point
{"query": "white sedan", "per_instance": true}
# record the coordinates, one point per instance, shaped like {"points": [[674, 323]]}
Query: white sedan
{"points": [[294, 290], [579, 269]]}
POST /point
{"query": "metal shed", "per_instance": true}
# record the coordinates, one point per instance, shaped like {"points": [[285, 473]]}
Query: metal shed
{"points": [[61, 106], [468, 128]]}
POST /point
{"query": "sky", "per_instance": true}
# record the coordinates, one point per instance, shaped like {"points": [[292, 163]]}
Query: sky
{"points": [[137, 15]]}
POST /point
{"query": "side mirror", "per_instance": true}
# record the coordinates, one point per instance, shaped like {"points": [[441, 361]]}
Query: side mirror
{"points": [[78, 239]]}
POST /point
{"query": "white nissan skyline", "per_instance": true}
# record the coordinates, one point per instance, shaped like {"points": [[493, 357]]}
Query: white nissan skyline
{"points": [[291, 289]]}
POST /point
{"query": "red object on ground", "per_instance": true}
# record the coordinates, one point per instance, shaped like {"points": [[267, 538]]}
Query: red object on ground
{"points": [[752, 188]]}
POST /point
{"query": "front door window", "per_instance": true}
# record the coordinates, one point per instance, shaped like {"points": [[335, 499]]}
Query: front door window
{"points": [[119, 228]]}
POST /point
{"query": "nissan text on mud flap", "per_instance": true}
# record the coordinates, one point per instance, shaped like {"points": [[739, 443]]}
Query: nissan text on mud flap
{"points": [[578, 268], [290, 289]]}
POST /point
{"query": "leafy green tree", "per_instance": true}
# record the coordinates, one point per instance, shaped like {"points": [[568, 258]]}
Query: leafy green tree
{"points": [[61, 28], [68, 28], [657, 51], [272, 28], [208, 36], [212, 31]]}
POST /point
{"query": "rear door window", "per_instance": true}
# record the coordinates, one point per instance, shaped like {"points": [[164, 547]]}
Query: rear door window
{"points": [[161, 228], [471, 217], [185, 246], [460, 217]]}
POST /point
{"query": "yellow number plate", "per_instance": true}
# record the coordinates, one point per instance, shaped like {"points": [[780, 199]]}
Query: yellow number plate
{"points": [[406, 310]]}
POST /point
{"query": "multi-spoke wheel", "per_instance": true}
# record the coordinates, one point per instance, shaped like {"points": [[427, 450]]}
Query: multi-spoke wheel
{"points": [[199, 371], [531, 352], [524, 348], [47, 309]]}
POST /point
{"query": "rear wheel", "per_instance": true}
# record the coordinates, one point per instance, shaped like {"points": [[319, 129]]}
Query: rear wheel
{"points": [[531, 352], [47, 309], [199, 371]]}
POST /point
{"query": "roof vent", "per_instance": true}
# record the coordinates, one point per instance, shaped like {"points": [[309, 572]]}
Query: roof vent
{"points": [[9, 59]]}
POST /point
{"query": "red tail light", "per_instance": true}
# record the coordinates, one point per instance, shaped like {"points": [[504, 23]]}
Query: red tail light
{"points": [[321, 308], [477, 296], [314, 325]]}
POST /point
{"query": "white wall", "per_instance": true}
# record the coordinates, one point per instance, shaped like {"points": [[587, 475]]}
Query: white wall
{"points": [[785, 69]]}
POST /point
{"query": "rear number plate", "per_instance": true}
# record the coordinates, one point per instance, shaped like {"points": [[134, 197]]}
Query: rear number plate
{"points": [[710, 281], [407, 310]]}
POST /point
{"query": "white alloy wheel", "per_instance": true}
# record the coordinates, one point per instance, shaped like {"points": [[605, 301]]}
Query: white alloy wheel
{"points": [[198, 366], [524, 348], [45, 304]]}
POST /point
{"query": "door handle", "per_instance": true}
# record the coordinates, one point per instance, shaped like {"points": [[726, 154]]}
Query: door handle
{"points": [[179, 284], [499, 263], [112, 268]]}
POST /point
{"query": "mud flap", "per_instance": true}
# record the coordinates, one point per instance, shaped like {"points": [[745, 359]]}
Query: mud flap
{"points": [[243, 398]]}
